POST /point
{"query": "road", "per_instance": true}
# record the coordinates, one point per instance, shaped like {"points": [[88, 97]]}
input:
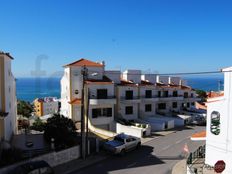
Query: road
{"points": [[157, 156]]}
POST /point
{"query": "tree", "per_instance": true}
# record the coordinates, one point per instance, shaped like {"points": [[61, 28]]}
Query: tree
{"points": [[202, 94], [38, 125], [62, 130], [24, 108]]}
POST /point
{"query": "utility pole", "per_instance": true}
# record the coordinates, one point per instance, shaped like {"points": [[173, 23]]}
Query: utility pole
{"points": [[84, 99], [86, 117]]}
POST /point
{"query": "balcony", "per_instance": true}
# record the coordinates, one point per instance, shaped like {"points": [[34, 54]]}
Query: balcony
{"points": [[108, 100], [171, 97], [153, 98], [130, 100]]}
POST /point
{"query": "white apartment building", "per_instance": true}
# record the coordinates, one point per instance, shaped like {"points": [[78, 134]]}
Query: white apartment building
{"points": [[101, 92], [46, 106], [128, 95], [219, 126], [8, 101]]}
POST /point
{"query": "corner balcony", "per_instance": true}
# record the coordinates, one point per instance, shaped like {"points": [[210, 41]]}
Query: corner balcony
{"points": [[130, 100], [109, 100], [153, 98]]}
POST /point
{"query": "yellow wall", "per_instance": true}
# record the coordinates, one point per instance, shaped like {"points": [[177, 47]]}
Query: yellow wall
{"points": [[38, 106]]}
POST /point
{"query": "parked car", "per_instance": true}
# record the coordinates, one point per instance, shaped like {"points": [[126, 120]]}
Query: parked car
{"points": [[199, 120], [122, 143], [35, 167]]}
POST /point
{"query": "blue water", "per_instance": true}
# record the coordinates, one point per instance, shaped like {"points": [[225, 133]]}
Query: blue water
{"points": [[30, 88]]}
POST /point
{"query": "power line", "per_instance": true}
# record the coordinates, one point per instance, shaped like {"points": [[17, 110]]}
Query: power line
{"points": [[164, 74]]}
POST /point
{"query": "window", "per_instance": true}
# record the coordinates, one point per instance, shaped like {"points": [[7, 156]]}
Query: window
{"points": [[186, 95], [162, 106], [193, 104], [102, 94], [76, 92], [102, 112], [148, 108], [129, 95], [159, 93], [148, 94], [96, 113], [215, 123], [107, 112], [188, 105], [192, 95], [175, 94], [174, 105], [129, 110], [165, 94]]}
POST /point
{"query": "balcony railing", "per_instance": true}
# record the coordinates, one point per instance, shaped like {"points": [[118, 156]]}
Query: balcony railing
{"points": [[149, 97], [170, 96], [100, 98], [129, 98]]}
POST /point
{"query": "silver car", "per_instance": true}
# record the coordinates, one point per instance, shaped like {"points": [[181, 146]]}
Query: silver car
{"points": [[122, 143]]}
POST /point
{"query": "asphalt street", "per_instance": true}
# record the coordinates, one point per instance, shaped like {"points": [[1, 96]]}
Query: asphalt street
{"points": [[157, 156]]}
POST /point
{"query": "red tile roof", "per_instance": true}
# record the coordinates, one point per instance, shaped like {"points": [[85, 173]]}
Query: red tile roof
{"points": [[85, 62], [76, 101], [127, 83], [146, 83], [213, 94], [186, 87], [201, 106], [104, 81]]}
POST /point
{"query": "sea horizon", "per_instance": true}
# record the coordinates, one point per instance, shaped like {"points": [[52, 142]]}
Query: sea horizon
{"points": [[30, 88]]}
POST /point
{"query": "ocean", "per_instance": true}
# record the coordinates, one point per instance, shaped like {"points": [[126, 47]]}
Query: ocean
{"points": [[30, 88]]}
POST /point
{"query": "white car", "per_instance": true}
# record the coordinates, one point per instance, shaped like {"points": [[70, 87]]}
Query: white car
{"points": [[122, 143]]}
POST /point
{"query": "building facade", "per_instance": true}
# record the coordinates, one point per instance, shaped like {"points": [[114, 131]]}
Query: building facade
{"points": [[101, 93], [219, 129], [115, 95], [8, 101], [45, 106]]}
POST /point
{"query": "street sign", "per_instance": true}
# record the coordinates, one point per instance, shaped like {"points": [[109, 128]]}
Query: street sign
{"points": [[219, 166]]}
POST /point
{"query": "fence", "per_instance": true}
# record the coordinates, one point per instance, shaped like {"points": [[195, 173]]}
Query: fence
{"points": [[193, 156], [199, 153]]}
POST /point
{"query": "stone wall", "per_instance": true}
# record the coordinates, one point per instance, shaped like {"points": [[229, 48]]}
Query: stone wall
{"points": [[53, 159]]}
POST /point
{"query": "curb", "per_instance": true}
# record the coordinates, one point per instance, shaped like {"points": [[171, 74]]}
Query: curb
{"points": [[179, 168]]}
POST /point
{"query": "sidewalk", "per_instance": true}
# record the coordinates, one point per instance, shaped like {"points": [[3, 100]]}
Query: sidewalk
{"points": [[181, 168], [79, 164]]}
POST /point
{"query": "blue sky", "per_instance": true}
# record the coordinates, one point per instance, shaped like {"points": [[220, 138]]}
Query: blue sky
{"points": [[153, 35]]}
